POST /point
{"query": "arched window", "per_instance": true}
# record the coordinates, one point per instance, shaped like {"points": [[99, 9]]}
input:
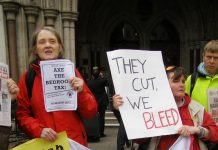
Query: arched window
{"points": [[165, 37], [124, 36]]}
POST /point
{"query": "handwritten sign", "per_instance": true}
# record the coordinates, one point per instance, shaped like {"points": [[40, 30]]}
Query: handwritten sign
{"points": [[58, 94], [149, 107]]}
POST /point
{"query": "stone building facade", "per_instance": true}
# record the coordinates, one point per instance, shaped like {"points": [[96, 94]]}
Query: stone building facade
{"points": [[19, 19], [179, 28], [90, 28]]}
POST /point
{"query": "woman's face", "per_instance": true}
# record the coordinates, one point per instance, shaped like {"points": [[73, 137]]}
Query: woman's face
{"points": [[177, 86], [47, 46]]}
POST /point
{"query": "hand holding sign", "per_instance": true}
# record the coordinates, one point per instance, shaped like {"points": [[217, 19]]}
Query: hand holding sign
{"points": [[139, 77], [76, 83], [117, 101], [48, 134], [38, 143], [57, 86], [13, 88]]}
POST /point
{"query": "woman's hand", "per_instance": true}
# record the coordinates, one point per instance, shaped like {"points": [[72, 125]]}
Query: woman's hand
{"points": [[13, 88], [76, 83], [48, 134], [117, 101], [188, 130]]}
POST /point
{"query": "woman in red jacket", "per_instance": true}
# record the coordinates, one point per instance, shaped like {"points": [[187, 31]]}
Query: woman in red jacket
{"points": [[31, 114], [197, 123]]}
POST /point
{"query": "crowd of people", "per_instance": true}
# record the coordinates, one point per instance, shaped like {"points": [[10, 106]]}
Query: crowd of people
{"points": [[189, 93]]}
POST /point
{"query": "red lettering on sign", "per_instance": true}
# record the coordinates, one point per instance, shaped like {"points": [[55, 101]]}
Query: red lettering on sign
{"points": [[161, 119]]}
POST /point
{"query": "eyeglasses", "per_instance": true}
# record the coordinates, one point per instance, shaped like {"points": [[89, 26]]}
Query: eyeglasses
{"points": [[170, 68]]}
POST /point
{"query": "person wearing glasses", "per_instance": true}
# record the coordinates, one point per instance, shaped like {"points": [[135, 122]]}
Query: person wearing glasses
{"points": [[207, 75], [201, 82], [198, 125]]}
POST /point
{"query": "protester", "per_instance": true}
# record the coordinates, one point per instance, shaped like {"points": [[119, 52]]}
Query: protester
{"points": [[97, 85], [197, 123], [207, 75], [122, 138], [32, 116], [5, 130], [206, 78]]}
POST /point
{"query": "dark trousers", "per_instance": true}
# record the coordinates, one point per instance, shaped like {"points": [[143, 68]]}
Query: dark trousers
{"points": [[212, 146], [4, 137], [117, 115], [143, 147], [121, 137], [101, 110]]}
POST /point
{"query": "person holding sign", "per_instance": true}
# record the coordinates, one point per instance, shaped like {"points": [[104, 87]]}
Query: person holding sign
{"points": [[202, 85], [5, 130], [33, 118], [198, 125]]}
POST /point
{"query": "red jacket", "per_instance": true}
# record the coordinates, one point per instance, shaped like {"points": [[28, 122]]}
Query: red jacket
{"points": [[167, 141], [208, 122], [33, 117]]}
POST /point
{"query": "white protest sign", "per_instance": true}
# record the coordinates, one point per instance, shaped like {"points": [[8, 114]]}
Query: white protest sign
{"points": [[76, 146], [149, 107], [58, 94], [183, 143], [213, 103]]}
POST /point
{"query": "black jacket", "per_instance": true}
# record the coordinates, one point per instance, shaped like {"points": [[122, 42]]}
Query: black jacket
{"points": [[97, 86]]}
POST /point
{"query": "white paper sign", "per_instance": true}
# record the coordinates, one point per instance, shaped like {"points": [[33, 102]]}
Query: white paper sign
{"points": [[58, 94], [183, 143], [213, 103], [5, 98], [76, 146], [149, 107]]}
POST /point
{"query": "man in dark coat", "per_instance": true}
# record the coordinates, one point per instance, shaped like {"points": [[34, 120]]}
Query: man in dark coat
{"points": [[97, 85]]}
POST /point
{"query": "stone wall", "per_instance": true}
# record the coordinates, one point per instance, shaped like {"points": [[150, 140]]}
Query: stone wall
{"points": [[19, 19]]}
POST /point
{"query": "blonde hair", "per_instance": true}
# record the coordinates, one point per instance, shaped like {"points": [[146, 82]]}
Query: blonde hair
{"points": [[211, 46]]}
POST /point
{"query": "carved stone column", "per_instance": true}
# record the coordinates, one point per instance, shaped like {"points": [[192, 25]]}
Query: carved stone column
{"points": [[72, 41], [31, 14], [11, 9], [3, 44], [50, 16], [72, 36], [68, 19]]}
